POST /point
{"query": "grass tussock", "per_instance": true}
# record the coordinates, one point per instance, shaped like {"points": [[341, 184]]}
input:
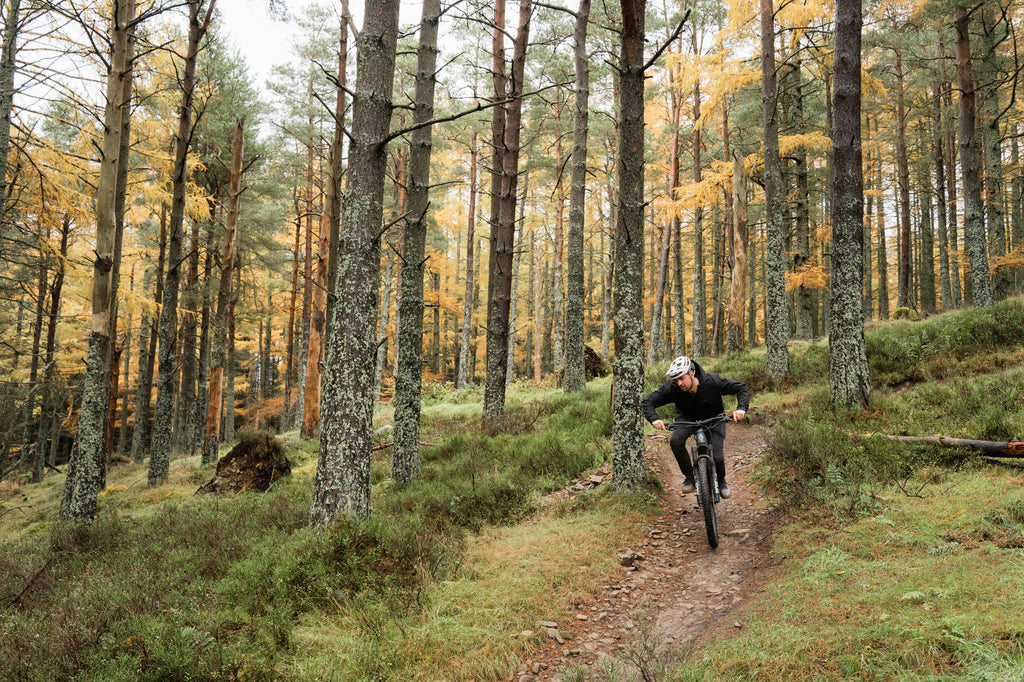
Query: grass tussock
{"points": [[169, 585], [925, 589]]}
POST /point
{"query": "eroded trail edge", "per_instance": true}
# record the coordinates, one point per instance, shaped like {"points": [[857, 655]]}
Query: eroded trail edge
{"points": [[684, 591]]}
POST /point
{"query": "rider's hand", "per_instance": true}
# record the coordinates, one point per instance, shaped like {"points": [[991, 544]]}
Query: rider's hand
{"points": [[738, 415], [658, 424]]}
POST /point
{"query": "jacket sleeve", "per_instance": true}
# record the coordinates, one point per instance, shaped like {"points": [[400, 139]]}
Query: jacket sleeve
{"points": [[738, 389], [655, 399]]}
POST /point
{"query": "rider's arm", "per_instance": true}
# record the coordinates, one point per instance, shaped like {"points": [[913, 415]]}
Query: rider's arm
{"points": [[740, 390], [655, 399]]}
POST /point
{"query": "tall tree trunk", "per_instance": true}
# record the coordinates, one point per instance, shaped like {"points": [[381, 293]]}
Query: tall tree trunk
{"points": [[317, 327], [940, 194], [202, 407], [904, 294], [87, 468], [406, 460], [883, 250], [698, 339], [467, 305], [147, 356], [293, 306], [342, 483], [734, 337], [1017, 208], [974, 224], [574, 377], [231, 363], [627, 417], [848, 364], [28, 409], [510, 371], [956, 291], [804, 295], [226, 260], [776, 300], [499, 114], [679, 319], [307, 276], [869, 220], [656, 337], [160, 455], [926, 241], [334, 194], [503, 233], [557, 352], [12, 26], [994, 218], [538, 298], [183, 436], [50, 372]]}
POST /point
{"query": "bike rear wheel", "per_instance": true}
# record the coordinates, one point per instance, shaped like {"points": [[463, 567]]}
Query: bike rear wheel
{"points": [[707, 502]]}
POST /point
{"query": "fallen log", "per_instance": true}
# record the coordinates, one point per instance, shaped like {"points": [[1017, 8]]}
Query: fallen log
{"points": [[992, 448]]}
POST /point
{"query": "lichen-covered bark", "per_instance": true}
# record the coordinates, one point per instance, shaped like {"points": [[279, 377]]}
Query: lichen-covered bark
{"points": [[467, 304], [408, 382], [945, 290], [974, 224], [503, 233], [904, 295], [949, 159], [227, 262], [7, 68], [342, 483], [848, 365], [656, 337], [627, 417], [289, 371], [926, 247], [510, 372], [87, 469], [679, 320], [804, 297], [334, 196], [995, 221], [317, 326], [160, 452], [189, 365], [574, 376], [698, 338], [557, 307], [147, 357], [737, 298], [883, 261], [776, 300]]}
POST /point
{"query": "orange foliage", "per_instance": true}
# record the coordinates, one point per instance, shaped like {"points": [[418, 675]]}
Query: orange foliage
{"points": [[810, 276]]}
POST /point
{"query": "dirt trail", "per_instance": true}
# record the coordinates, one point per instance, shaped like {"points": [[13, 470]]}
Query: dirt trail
{"points": [[685, 590]]}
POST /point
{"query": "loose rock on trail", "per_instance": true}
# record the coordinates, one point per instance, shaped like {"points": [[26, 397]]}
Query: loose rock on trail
{"points": [[670, 577]]}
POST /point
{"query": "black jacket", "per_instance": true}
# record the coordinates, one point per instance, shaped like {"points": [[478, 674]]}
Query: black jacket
{"points": [[704, 404]]}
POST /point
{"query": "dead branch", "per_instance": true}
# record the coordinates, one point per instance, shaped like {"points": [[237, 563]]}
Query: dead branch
{"points": [[1013, 448]]}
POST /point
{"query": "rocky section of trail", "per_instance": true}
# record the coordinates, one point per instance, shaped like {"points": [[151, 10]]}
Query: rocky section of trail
{"points": [[670, 578]]}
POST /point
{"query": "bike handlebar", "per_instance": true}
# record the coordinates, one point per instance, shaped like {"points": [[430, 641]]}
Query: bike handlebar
{"points": [[701, 423]]}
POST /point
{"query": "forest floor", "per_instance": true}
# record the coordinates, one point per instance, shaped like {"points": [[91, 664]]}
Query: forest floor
{"points": [[681, 592]]}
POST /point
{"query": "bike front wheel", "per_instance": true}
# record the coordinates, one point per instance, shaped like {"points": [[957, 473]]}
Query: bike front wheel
{"points": [[707, 502]]}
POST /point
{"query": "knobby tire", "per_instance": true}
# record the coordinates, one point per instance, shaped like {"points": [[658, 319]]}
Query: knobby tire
{"points": [[704, 473]]}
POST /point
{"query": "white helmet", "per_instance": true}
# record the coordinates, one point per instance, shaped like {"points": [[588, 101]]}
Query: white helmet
{"points": [[680, 366]]}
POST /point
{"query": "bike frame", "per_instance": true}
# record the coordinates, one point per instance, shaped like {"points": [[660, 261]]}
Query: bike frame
{"points": [[704, 472]]}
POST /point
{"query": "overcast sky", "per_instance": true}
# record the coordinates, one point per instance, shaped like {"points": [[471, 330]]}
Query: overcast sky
{"points": [[265, 42]]}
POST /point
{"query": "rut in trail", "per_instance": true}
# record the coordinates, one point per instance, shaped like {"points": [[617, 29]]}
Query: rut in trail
{"points": [[685, 591]]}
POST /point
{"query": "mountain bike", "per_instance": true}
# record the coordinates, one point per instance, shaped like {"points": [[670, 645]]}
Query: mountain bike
{"points": [[704, 473]]}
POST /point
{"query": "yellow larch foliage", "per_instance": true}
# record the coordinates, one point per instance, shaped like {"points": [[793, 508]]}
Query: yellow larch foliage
{"points": [[809, 276]]}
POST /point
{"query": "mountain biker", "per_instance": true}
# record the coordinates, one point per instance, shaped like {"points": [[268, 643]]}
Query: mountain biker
{"points": [[697, 395]]}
